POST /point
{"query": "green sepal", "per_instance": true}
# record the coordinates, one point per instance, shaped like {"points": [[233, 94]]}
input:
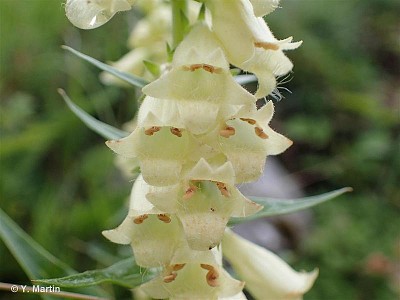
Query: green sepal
{"points": [[170, 52], [202, 13], [153, 68]]}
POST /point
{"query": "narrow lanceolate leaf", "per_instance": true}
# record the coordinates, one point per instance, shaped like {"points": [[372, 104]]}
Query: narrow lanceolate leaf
{"points": [[273, 207], [125, 273], [107, 131], [134, 80], [33, 258]]}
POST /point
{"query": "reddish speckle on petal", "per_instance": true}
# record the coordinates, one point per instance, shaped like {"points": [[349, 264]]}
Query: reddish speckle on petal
{"points": [[227, 131], [176, 131], [140, 219], [164, 217], [260, 133], [266, 45], [152, 130], [250, 121], [169, 278]]}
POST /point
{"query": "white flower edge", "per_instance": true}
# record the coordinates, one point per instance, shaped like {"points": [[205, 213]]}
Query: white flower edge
{"points": [[267, 276], [89, 14]]}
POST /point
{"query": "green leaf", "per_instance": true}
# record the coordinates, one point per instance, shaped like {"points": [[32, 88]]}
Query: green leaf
{"points": [[134, 80], [125, 273], [153, 67], [103, 129], [36, 261], [273, 207]]}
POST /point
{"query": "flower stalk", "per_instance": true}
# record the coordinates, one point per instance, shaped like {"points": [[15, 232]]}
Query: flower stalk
{"points": [[199, 133], [179, 12]]}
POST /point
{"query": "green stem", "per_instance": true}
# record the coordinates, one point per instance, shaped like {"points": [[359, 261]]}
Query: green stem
{"points": [[179, 7]]}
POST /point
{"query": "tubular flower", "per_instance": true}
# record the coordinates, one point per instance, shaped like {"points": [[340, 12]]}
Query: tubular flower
{"points": [[267, 276], [204, 203], [148, 230], [89, 14], [161, 150], [199, 63], [259, 51], [252, 142], [193, 275], [186, 273]]}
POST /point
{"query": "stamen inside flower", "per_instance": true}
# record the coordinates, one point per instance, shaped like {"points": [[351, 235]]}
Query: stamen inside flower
{"points": [[250, 121], [140, 219], [260, 133], [176, 131], [212, 275], [178, 267], [152, 130], [164, 217], [227, 131], [169, 278], [266, 45], [223, 189], [208, 68]]}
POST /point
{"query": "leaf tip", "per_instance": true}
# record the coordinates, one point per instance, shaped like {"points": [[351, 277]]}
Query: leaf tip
{"points": [[348, 189]]}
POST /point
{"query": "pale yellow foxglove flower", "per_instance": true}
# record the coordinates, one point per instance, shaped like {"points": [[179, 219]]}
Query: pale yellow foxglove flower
{"points": [[252, 142], [148, 230], [204, 203], [200, 84], [267, 276], [161, 151], [198, 95], [248, 42], [89, 14], [193, 275]]}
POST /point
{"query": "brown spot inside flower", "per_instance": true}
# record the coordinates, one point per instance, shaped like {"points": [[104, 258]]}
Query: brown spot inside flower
{"points": [[169, 278], [212, 275], [260, 133], [176, 131], [152, 130], [250, 121], [227, 131], [190, 192], [164, 217], [178, 267], [266, 45], [223, 189], [140, 219], [206, 67]]}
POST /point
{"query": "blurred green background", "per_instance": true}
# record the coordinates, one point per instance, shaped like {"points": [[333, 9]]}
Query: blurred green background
{"points": [[58, 179]]}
